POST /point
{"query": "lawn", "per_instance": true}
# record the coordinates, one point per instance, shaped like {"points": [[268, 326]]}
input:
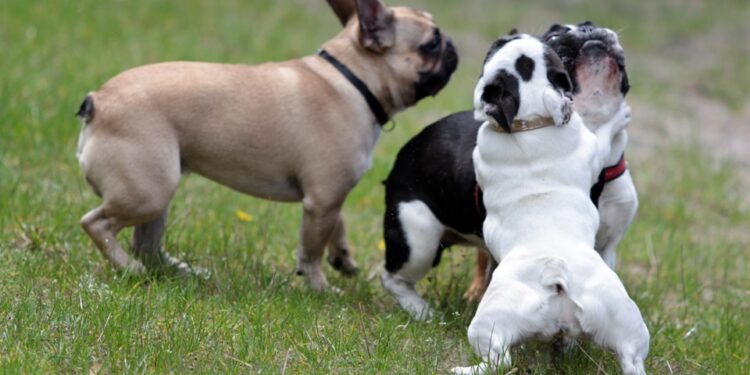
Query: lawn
{"points": [[63, 309]]}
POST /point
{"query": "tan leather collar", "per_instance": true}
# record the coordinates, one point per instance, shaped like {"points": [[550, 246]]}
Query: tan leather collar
{"points": [[526, 125]]}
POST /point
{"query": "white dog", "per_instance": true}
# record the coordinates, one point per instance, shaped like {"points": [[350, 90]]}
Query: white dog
{"points": [[541, 223]]}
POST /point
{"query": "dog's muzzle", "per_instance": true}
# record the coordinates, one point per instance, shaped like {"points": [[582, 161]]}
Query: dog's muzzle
{"points": [[594, 48], [430, 83]]}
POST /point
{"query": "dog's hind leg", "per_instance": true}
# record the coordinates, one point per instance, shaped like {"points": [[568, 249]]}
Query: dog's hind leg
{"points": [[412, 243], [136, 177], [339, 253], [120, 211], [632, 343], [103, 228], [614, 321], [482, 275], [148, 247], [497, 358]]}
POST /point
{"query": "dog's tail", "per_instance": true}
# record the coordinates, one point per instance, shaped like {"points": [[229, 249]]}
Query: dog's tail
{"points": [[86, 110], [554, 274]]}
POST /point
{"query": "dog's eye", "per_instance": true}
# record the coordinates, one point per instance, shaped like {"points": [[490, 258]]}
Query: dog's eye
{"points": [[433, 46], [552, 37]]}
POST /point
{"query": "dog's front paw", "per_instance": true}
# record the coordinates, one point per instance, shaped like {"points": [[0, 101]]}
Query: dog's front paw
{"points": [[559, 106], [567, 110], [135, 267], [622, 118], [470, 370]]}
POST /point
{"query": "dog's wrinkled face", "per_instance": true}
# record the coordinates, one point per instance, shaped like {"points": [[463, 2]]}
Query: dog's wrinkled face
{"points": [[595, 61], [524, 79], [412, 48]]}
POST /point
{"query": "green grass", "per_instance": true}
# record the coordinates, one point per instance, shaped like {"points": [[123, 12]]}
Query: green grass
{"points": [[63, 309]]}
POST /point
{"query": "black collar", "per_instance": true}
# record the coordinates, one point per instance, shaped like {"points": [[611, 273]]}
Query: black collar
{"points": [[372, 101]]}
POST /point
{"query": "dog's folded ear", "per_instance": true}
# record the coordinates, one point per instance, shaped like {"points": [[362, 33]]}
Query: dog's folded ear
{"points": [[376, 31], [554, 29], [344, 9], [501, 99], [556, 73], [560, 80]]}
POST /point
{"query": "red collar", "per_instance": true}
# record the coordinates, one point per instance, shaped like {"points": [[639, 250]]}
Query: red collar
{"points": [[612, 172]]}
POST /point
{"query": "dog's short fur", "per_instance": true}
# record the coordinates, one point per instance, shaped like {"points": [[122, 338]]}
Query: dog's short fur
{"points": [[290, 131], [433, 176], [541, 224]]}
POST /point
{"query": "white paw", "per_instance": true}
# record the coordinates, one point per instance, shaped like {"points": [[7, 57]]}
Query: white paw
{"points": [[135, 267], [421, 313], [407, 296], [470, 370], [185, 269], [622, 118], [559, 106]]}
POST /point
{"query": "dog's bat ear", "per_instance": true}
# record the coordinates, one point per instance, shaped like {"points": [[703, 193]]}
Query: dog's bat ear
{"points": [[560, 80], [556, 73], [344, 9], [375, 25], [501, 100], [554, 29]]}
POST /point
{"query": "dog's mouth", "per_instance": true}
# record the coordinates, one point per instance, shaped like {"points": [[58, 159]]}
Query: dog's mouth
{"points": [[599, 72], [595, 62], [432, 81], [597, 69], [590, 52]]}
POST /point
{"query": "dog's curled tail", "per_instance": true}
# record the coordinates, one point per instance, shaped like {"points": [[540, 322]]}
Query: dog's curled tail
{"points": [[86, 110], [554, 274]]}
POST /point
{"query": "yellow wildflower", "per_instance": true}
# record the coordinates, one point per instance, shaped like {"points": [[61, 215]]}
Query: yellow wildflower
{"points": [[381, 245], [243, 216]]}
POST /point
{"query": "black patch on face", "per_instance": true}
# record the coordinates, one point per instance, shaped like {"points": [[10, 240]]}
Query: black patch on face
{"points": [[430, 83], [556, 73], [502, 98], [525, 67]]}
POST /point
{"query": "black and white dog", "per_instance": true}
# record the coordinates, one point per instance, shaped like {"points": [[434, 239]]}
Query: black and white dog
{"points": [[535, 160], [432, 197]]}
